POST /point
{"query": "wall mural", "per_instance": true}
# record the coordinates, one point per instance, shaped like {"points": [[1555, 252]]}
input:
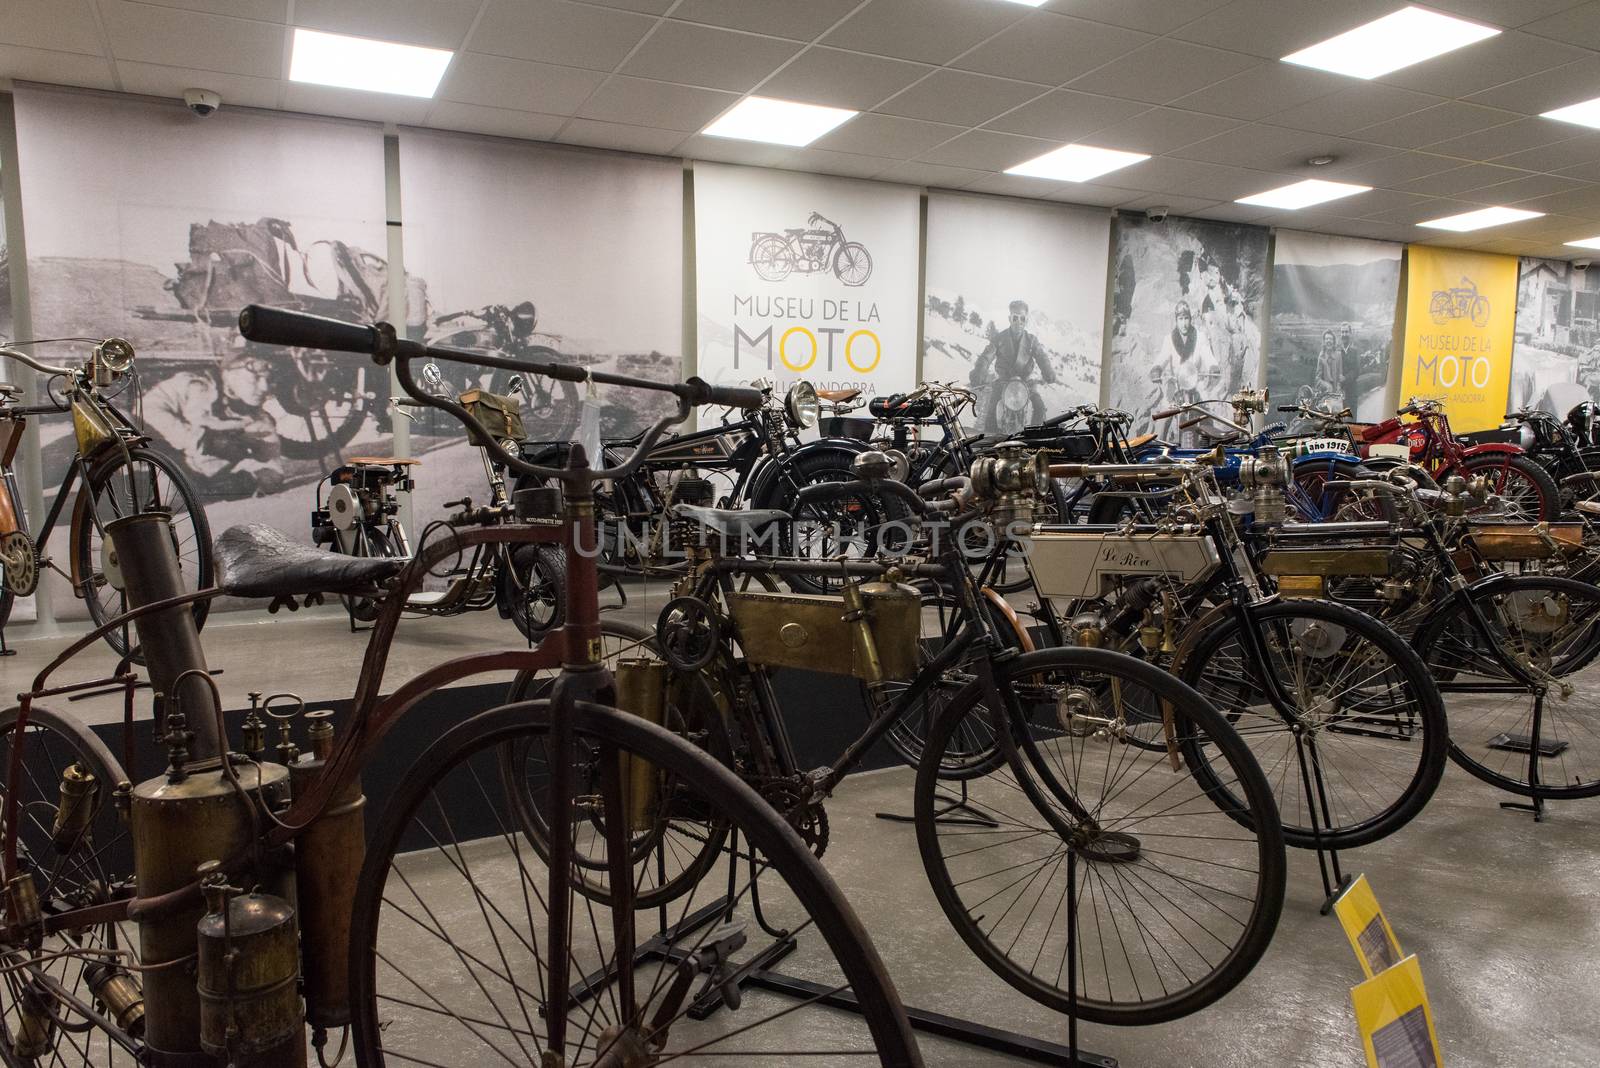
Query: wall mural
{"points": [[1014, 305], [1186, 315], [1460, 313], [801, 276], [1333, 307], [1555, 361]]}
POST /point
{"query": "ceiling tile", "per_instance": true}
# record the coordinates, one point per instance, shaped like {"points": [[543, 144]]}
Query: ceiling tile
{"points": [[930, 174], [1163, 70], [958, 97], [1458, 180], [1265, 147], [931, 31], [1393, 170], [1051, 49], [236, 90], [1152, 16], [1431, 125], [842, 79], [502, 122], [1581, 153], [1160, 130], [1092, 195], [1274, 28], [61, 68], [1164, 174], [1579, 25], [1572, 201], [516, 84], [1355, 107], [987, 150], [1530, 185], [646, 7], [1538, 93], [193, 39], [637, 102], [1420, 209], [1175, 205], [723, 150], [1513, 137], [1238, 213], [553, 31], [262, 10], [1503, 12], [782, 18], [1013, 185], [434, 23], [845, 164], [59, 25], [887, 135], [1065, 115], [1372, 202], [1262, 91], [701, 55], [615, 135], [354, 104], [1482, 66]]}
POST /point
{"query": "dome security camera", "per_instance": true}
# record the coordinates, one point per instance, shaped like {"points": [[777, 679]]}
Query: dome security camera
{"points": [[1158, 213], [1581, 265], [202, 102]]}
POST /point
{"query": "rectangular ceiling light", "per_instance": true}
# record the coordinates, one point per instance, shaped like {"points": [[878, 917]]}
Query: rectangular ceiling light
{"points": [[1477, 220], [1029, 3], [1587, 242], [1585, 113], [1076, 163], [777, 122], [1398, 40], [363, 63], [1303, 194]]}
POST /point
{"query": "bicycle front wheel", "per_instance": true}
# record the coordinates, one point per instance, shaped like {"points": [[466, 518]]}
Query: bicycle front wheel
{"points": [[451, 948], [1341, 714], [1180, 876]]}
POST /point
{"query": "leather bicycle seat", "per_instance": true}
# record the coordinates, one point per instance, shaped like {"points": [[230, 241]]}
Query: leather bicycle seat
{"points": [[730, 522], [1141, 440], [260, 561], [381, 461], [838, 396]]}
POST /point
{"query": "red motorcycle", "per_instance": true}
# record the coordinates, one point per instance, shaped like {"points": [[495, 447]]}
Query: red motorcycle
{"points": [[1525, 488]]}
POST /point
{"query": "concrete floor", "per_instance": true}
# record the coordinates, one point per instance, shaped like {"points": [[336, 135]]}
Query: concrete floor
{"points": [[1504, 913]]}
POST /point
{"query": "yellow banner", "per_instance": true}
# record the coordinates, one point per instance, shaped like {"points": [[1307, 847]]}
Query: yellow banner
{"points": [[1395, 1019], [1367, 928], [1461, 310]]}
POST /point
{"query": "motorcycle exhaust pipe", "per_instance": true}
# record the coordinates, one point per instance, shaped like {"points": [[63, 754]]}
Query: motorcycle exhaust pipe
{"points": [[147, 557]]}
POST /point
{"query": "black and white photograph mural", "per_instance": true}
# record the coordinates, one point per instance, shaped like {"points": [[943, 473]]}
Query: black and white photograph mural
{"points": [[1014, 305], [1555, 357], [6, 325], [545, 254], [1333, 308], [805, 277], [266, 208], [1187, 316]]}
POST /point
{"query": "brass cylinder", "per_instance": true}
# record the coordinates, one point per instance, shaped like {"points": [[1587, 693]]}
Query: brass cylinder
{"points": [[328, 857], [169, 638], [75, 810], [641, 691], [120, 994], [865, 649], [36, 1029], [246, 979], [177, 826]]}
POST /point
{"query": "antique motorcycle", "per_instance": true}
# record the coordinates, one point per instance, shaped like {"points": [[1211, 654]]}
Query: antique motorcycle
{"points": [[1459, 302], [1562, 447], [821, 246], [497, 329]]}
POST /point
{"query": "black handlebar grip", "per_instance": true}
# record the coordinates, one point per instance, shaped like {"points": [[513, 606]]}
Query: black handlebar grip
{"points": [[1057, 420], [699, 391], [279, 326], [1288, 407]]}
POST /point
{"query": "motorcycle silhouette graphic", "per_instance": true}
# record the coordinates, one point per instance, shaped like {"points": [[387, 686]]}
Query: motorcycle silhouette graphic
{"points": [[819, 246], [1460, 302]]}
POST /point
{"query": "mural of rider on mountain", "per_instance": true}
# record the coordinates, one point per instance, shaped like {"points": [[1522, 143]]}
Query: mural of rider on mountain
{"points": [[1003, 376]]}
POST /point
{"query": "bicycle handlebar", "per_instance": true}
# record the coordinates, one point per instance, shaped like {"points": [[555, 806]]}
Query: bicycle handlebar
{"points": [[38, 365]]}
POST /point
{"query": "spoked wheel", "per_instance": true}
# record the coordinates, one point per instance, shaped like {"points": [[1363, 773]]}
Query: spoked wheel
{"points": [[79, 854], [535, 589], [772, 259], [979, 541], [1320, 492], [852, 264], [1527, 492], [151, 482], [1502, 732], [319, 403], [453, 945], [366, 541], [1354, 711], [852, 525], [1180, 877]]}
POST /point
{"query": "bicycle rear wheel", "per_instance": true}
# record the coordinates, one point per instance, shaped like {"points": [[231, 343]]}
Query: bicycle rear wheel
{"points": [[1180, 877], [451, 951]]}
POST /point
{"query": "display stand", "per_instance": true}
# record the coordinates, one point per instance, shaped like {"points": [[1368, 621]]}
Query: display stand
{"points": [[1531, 744], [1334, 880], [946, 812], [5, 650]]}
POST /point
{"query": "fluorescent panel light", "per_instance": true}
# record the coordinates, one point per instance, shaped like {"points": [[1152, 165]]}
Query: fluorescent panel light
{"points": [[1077, 163], [1477, 220], [1028, 3], [1587, 242], [777, 122], [1586, 113], [1303, 194], [362, 63], [1407, 36]]}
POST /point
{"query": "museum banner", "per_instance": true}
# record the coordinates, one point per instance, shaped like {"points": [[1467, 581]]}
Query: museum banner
{"points": [[1460, 315], [1555, 364], [1333, 307], [805, 277], [1014, 305], [1187, 311]]}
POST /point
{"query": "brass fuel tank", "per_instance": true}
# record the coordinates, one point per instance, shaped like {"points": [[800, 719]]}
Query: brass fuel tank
{"points": [[248, 965]]}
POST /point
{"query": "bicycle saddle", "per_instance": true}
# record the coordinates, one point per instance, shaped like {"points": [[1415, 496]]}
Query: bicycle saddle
{"points": [[381, 461], [1140, 441], [730, 522], [260, 561], [838, 396]]}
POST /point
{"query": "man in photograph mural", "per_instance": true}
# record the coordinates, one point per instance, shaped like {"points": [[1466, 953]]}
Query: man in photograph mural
{"points": [[1007, 400], [1187, 372], [220, 433]]}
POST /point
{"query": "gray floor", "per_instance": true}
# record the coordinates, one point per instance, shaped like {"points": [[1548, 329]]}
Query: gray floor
{"points": [[1504, 913]]}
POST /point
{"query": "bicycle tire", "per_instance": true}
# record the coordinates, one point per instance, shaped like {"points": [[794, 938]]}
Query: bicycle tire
{"points": [[1537, 478], [803, 876], [1039, 780]]}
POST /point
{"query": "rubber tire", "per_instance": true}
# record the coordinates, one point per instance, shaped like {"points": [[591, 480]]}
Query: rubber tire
{"points": [[551, 558], [790, 861], [1549, 492], [806, 471], [1274, 862]]}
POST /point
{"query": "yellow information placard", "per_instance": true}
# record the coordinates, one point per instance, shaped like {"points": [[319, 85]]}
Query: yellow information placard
{"points": [[1395, 1019], [1367, 927], [1461, 310]]}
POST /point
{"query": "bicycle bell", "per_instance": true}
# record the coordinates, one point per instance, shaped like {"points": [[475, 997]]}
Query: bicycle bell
{"points": [[1009, 480]]}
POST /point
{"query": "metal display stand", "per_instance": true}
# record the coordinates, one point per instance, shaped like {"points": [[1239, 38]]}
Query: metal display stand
{"points": [[1334, 881], [950, 812]]}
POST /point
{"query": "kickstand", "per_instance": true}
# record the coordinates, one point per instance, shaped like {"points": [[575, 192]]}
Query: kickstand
{"points": [[946, 811]]}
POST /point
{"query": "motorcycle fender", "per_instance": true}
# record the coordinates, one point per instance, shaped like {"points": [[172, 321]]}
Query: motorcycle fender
{"points": [[1313, 458], [1009, 614], [80, 516], [1502, 447], [767, 480]]}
